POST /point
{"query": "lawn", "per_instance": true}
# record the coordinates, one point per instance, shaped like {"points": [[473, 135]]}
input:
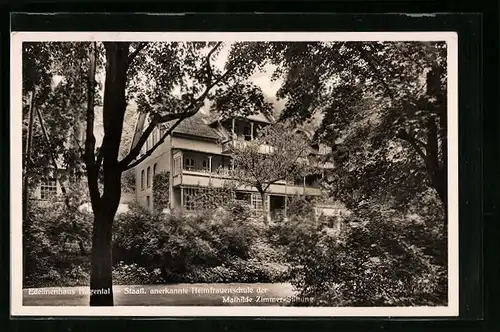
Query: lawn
{"points": [[167, 295]]}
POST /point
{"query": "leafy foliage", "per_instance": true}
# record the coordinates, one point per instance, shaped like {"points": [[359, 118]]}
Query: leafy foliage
{"points": [[278, 153], [383, 260], [381, 106], [56, 245], [194, 248], [161, 191], [300, 206]]}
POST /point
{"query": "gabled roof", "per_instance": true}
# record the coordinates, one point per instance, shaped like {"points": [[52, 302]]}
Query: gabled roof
{"points": [[196, 126]]}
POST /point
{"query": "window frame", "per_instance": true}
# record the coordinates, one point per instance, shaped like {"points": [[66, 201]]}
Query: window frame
{"points": [[189, 166], [148, 177], [48, 188]]}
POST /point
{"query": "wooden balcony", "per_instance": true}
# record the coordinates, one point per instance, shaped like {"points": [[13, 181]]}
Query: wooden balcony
{"points": [[239, 143], [219, 178]]}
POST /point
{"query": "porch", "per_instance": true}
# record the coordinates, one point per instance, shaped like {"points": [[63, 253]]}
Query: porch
{"points": [[193, 169], [191, 199]]}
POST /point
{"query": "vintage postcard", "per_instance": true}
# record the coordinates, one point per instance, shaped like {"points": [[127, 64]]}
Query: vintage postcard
{"points": [[234, 174]]}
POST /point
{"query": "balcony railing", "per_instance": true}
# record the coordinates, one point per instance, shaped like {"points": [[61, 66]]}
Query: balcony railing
{"points": [[222, 177], [239, 143], [219, 172]]}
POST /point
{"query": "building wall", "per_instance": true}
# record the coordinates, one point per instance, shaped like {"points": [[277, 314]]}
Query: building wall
{"points": [[160, 157], [171, 155]]}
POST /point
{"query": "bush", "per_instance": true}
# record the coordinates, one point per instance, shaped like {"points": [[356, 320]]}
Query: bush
{"points": [[132, 274], [375, 261], [300, 206], [192, 248], [56, 245]]}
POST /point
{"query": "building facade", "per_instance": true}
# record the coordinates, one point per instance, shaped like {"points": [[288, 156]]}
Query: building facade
{"points": [[48, 189], [197, 155]]}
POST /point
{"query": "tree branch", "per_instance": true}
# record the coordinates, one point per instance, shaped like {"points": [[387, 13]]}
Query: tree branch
{"points": [[405, 136], [190, 110], [207, 62], [90, 138], [368, 58], [139, 48], [80, 149], [125, 166], [157, 119]]}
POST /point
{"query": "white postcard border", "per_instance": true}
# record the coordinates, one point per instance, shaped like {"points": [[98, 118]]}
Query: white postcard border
{"points": [[16, 293]]}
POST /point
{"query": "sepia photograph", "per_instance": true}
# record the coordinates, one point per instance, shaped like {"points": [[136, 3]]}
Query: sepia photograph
{"points": [[265, 174]]}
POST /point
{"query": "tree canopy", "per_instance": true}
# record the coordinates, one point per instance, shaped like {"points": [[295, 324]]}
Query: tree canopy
{"points": [[381, 107]]}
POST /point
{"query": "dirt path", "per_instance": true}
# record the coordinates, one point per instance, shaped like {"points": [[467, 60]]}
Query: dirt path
{"points": [[167, 295]]}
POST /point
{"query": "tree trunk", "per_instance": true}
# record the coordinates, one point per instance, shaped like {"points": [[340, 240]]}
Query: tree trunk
{"points": [[439, 182], [101, 284], [26, 182], [265, 216], [105, 207]]}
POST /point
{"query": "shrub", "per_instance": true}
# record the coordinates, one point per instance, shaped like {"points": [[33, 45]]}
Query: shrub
{"points": [[300, 206], [161, 191], [56, 245], [132, 274], [178, 245], [375, 261]]}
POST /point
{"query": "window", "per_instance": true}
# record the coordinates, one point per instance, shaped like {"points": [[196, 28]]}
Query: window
{"points": [[190, 198], [153, 137], [142, 179], [148, 202], [189, 164], [257, 203], [48, 188], [243, 197], [148, 177], [247, 133], [256, 129], [177, 164], [206, 164], [154, 169]]}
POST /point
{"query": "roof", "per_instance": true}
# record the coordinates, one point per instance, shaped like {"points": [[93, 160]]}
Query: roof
{"points": [[258, 117], [195, 125]]}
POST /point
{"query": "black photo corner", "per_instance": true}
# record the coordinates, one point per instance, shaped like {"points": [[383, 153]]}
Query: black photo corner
{"points": [[141, 185]]}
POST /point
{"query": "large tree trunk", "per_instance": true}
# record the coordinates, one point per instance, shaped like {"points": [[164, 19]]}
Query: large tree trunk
{"points": [[101, 283], [105, 207]]}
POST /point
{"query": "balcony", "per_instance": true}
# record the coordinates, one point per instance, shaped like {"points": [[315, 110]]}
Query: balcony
{"points": [[239, 143], [221, 177]]}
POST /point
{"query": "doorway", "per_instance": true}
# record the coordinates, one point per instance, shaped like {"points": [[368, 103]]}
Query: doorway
{"points": [[276, 206]]}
